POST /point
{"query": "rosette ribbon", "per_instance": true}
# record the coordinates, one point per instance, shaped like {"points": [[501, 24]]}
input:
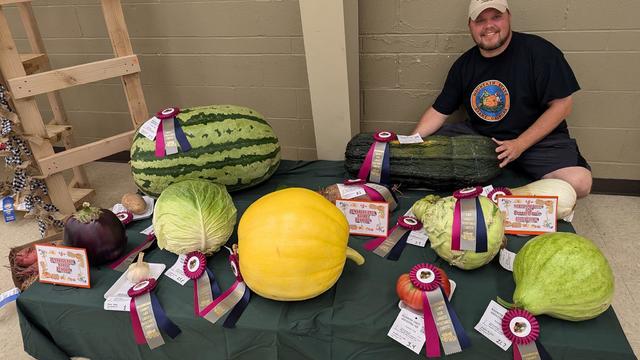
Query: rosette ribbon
{"points": [[376, 192], [394, 243], [469, 231], [169, 133], [123, 263], [205, 285], [148, 317], [498, 191], [441, 324], [376, 165], [125, 217], [234, 299], [522, 328]]}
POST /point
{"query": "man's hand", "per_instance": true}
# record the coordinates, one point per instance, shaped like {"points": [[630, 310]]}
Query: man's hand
{"points": [[508, 150]]}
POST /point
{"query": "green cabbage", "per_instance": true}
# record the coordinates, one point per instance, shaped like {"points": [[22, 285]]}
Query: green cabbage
{"points": [[194, 215], [437, 216], [564, 276]]}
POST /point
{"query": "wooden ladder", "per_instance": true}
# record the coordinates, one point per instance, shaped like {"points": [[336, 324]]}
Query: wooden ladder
{"points": [[28, 75]]}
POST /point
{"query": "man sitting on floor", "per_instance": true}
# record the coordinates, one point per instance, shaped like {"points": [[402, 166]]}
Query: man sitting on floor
{"points": [[516, 88]]}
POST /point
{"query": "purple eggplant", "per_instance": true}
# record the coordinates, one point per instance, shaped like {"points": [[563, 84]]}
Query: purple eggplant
{"points": [[99, 231]]}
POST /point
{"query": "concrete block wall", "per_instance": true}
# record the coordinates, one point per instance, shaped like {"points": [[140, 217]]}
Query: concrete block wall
{"points": [[251, 52], [192, 53]]}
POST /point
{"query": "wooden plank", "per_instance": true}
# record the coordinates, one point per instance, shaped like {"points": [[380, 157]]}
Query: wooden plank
{"points": [[119, 35], [31, 119], [34, 62], [31, 27], [59, 79], [80, 195], [86, 153], [55, 101]]}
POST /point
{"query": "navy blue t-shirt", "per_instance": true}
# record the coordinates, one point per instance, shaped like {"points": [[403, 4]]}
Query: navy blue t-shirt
{"points": [[506, 94]]}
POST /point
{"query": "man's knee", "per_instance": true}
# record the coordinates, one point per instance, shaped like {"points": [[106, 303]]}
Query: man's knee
{"points": [[579, 178]]}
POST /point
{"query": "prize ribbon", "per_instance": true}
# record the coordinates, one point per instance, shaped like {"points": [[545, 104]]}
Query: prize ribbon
{"points": [[376, 165], [148, 317], [441, 324], [469, 231], [169, 133], [376, 192], [392, 246], [522, 328]]}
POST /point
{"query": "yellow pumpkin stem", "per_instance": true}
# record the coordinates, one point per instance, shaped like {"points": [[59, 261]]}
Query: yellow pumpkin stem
{"points": [[355, 256]]}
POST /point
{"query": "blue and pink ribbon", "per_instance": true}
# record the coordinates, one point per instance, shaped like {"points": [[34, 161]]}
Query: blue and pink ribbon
{"points": [[391, 246], [376, 166], [146, 324], [523, 329], [468, 223], [441, 324], [164, 116], [375, 192]]}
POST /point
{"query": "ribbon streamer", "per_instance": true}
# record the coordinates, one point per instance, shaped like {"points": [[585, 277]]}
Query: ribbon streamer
{"points": [[123, 263], [376, 192], [376, 165], [441, 324], [148, 316], [522, 328], [392, 246], [205, 287], [234, 299], [469, 231], [169, 133]]}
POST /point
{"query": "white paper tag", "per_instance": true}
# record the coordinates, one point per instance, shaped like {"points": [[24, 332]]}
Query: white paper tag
{"points": [[148, 230], [486, 190], [408, 330], [117, 304], [176, 272], [350, 191], [410, 139], [506, 259], [569, 217], [418, 238], [490, 325], [149, 128]]}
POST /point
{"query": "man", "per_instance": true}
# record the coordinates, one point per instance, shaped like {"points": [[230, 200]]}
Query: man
{"points": [[516, 88]]}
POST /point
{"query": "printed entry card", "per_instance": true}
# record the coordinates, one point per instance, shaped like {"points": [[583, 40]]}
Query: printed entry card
{"points": [[63, 265], [529, 215], [368, 218]]}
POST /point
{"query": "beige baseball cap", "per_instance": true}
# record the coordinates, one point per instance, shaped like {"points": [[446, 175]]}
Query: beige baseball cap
{"points": [[478, 6]]}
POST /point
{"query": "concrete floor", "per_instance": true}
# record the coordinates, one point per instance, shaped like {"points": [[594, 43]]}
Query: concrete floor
{"points": [[611, 222]]}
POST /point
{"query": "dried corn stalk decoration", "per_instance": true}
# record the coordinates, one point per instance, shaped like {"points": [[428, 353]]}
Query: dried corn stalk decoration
{"points": [[26, 188]]}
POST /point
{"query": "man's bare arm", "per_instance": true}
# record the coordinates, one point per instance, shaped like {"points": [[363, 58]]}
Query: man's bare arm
{"points": [[558, 110], [430, 122]]}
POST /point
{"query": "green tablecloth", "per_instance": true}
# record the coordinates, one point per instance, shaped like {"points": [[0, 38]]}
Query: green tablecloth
{"points": [[349, 321]]}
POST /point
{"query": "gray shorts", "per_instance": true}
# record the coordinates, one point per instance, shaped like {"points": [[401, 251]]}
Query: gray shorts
{"points": [[556, 151]]}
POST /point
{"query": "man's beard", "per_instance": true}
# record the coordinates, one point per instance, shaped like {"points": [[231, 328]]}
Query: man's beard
{"points": [[489, 47]]}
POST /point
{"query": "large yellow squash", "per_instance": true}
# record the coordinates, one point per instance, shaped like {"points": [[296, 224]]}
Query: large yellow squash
{"points": [[293, 245]]}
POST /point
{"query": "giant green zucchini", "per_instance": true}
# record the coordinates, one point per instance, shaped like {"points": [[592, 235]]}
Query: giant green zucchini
{"points": [[440, 162]]}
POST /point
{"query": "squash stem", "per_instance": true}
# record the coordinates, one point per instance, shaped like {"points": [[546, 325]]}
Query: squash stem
{"points": [[355, 256], [505, 303]]}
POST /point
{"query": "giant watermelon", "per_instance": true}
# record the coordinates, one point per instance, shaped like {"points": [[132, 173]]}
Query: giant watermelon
{"points": [[231, 145]]}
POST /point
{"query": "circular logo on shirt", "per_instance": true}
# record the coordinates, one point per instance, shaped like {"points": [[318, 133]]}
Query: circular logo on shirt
{"points": [[490, 100]]}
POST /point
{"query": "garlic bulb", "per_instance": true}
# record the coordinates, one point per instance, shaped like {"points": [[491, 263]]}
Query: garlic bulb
{"points": [[139, 270]]}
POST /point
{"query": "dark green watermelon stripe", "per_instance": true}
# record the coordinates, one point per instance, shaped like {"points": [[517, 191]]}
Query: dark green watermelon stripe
{"points": [[149, 156], [203, 118], [183, 169]]}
